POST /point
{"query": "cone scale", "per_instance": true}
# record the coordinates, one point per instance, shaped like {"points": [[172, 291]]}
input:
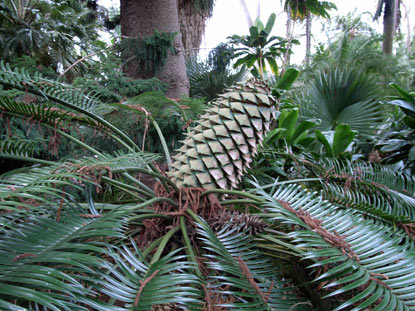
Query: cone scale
{"points": [[219, 149]]}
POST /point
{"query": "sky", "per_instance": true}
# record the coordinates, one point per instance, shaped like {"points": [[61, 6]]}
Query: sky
{"points": [[228, 18]]}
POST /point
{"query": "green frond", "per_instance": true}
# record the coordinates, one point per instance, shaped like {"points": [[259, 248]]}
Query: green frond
{"points": [[37, 187], [56, 264], [46, 114], [372, 204], [368, 261], [64, 96], [48, 89], [345, 96], [254, 283], [18, 147], [360, 182], [141, 285], [119, 162]]}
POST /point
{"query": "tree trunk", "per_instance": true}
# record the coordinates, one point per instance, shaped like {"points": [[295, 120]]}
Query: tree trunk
{"points": [[308, 39], [141, 18], [289, 34], [389, 24], [408, 27], [192, 25]]}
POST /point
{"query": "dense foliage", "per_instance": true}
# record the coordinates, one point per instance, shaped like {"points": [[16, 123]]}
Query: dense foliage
{"points": [[278, 194], [139, 247]]}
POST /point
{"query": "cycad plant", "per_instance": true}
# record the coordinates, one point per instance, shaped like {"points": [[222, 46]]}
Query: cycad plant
{"points": [[92, 234]]}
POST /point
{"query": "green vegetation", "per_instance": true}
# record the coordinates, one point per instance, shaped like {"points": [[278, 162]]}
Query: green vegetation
{"points": [[288, 190]]}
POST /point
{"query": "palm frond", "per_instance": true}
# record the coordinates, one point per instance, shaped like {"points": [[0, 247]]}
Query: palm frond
{"points": [[368, 262], [252, 279], [343, 96]]}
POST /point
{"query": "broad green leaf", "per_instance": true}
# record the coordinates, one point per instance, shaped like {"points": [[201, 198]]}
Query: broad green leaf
{"points": [[343, 137], [322, 138], [404, 94], [273, 64], [253, 30], [288, 120], [274, 135], [288, 78], [270, 23], [301, 130]]}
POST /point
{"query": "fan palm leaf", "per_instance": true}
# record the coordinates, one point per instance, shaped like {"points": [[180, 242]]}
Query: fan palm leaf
{"points": [[343, 96]]}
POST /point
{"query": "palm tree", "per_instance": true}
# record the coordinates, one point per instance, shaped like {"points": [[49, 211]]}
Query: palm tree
{"points": [[88, 234], [303, 9]]}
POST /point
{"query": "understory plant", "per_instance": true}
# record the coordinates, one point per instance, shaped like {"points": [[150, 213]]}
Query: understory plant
{"points": [[111, 231]]}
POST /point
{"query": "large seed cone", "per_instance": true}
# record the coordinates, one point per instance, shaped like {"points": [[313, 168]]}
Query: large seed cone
{"points": [[219, 149]]}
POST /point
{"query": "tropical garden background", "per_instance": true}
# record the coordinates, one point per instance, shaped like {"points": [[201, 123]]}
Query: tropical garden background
{"points": [[137, 175]]}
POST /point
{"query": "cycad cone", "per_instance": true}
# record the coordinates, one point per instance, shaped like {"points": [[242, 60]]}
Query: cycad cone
{"points": [[218, 150]]}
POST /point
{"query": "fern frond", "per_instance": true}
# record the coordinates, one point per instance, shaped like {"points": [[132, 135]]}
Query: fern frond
{"points": [[368, 261], [254, 283]]}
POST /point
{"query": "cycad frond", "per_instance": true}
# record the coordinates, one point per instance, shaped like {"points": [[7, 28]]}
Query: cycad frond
{"points": [[18, 147], [360, 182], [140, 285], [36, 186], [371, 203], [65, 96], [55, 264], [253, 281], [46, 88], [370, 262], [45, 114], [120, 162]]}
